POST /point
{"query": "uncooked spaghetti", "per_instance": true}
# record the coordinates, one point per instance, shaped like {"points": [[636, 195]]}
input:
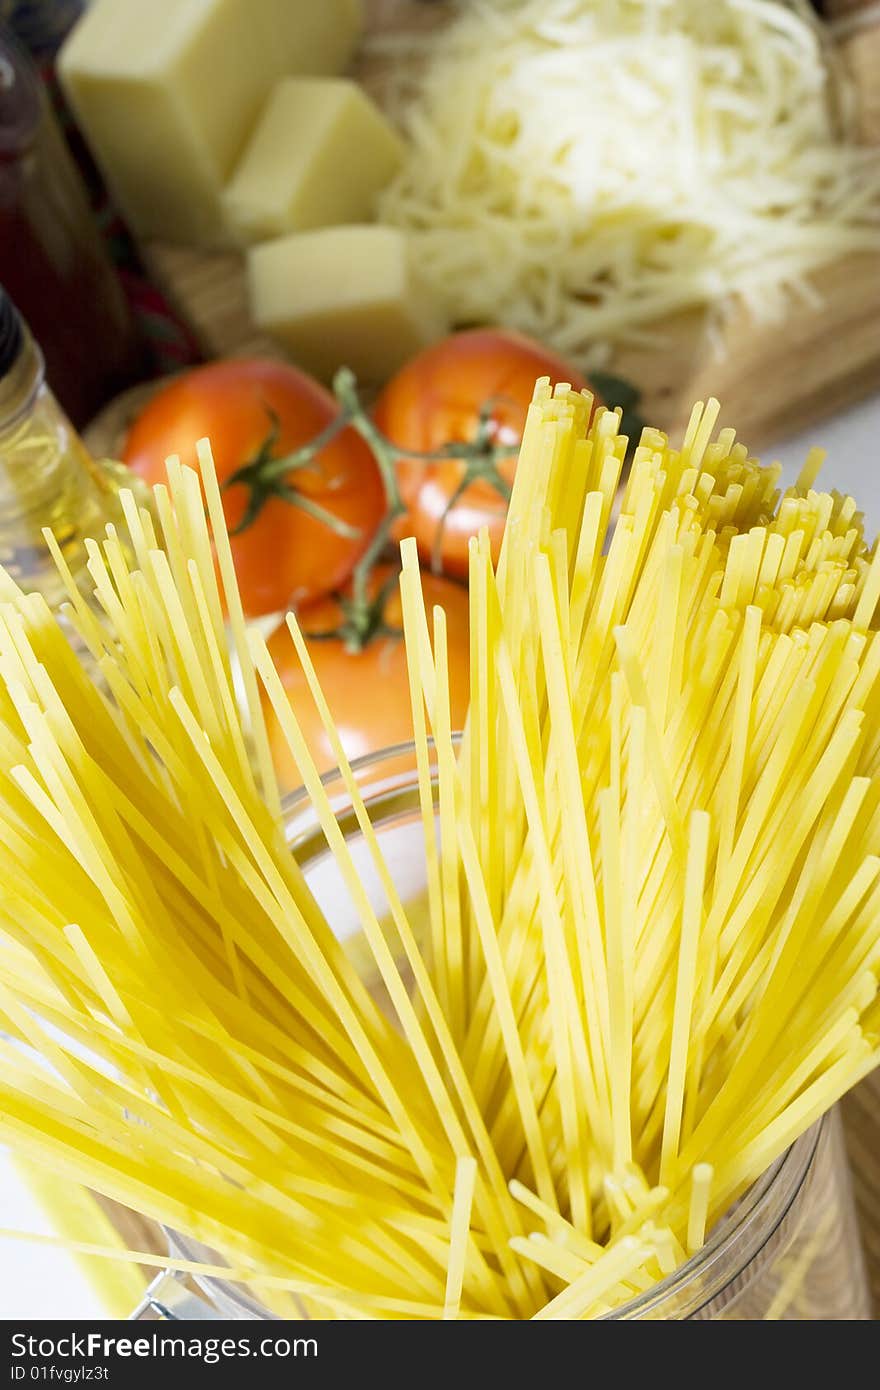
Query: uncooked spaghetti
{"points": [[654, 909]]}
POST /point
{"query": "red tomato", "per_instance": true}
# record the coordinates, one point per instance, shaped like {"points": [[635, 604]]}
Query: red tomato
{"points": [[436, 400], [286, 556], [367, 690]]}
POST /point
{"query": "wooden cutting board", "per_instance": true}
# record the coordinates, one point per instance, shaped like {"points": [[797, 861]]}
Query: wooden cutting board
{"points": [[772, 379]]}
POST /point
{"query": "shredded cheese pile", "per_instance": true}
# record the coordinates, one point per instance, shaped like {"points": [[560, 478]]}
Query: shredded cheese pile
{"points": [[588, 167]]}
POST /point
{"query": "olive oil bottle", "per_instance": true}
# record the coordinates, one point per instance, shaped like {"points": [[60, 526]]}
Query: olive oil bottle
{"points": [[47, 476]]}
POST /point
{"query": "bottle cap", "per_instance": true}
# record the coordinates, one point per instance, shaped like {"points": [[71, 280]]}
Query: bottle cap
{"points": [[11, 334]]}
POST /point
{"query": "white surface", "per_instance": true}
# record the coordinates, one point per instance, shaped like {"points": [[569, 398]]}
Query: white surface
{"points": [[853, 464], [37, 1282]]}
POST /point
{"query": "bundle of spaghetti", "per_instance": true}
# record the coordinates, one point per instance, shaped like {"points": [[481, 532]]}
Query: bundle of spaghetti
{"points": [[653, 933], [685, 904]]}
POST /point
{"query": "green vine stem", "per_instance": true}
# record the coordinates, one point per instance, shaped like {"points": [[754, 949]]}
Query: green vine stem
{"points": [[361, 621], [267, 476], [386, 456], [480, 456]]}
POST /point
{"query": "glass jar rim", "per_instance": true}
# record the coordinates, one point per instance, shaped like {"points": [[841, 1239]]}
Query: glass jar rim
{"points": [[739, 1237]]}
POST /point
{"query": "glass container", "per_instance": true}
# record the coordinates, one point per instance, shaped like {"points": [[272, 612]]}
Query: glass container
{"points": [[47, 476], [789, 1249]]}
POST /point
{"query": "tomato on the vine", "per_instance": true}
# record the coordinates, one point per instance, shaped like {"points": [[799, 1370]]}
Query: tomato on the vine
{"points": [[296, 533], [437, 399], [367, 689]]}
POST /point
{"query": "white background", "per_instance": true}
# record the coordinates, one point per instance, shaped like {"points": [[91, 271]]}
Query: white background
{"points": [[36, 1282]]}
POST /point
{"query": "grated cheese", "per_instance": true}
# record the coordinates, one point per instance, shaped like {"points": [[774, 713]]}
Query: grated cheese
{"points": [[591, 166]]}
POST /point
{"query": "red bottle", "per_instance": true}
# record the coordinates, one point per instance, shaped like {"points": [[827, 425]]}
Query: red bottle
{"points": [[53, 260]]}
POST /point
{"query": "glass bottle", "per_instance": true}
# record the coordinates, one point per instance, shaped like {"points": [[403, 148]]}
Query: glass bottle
{"points": [[47, 476], [53, 260]]}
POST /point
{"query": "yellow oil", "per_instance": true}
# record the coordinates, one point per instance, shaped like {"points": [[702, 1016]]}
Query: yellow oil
{"points": [[48, 479]]}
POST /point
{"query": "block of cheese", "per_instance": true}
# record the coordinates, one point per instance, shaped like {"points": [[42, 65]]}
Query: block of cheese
{"points": [[168, 91], [343, 296], [319, 154]]}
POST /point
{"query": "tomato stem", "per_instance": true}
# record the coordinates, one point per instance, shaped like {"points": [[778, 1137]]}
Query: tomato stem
{"points": [[480, 457], [386, 455], [362, 619], [266, 476]]}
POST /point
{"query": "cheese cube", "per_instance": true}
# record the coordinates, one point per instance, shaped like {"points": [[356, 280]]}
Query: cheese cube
{"points": [[168, 91], [343, 296], [320, 153]]}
